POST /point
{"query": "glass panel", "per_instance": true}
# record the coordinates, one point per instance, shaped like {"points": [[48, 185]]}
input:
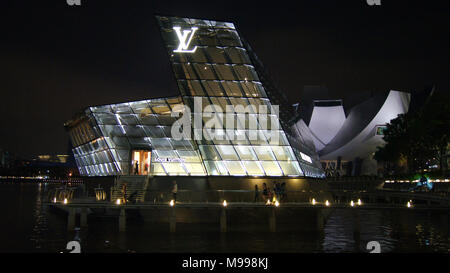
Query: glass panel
{"points": [[140, 107], [225, 72], [148, 119], [205, 71], [283, 152], [209, 152], [290, 168], [232, 88], [271, 168], [264, 152], [228, 37], [246, 152], [174, 168], [235, 167], [191, 87], [227, 152], [194, 168], [216, 54], [237, 55], [157, 169], [253, 167], [161, 109], [189, 156], [213, 88], [253, 89], [161, 143], [245, 73]]}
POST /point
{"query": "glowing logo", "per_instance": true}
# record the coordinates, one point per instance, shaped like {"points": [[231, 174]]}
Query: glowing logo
{"points": [[182, 37]]}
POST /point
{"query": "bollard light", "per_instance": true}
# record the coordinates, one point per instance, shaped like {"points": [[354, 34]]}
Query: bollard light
{"points": [[359, 202], [225, 203], [352, 203], [313, 201], [118, 201], [277, 204], [65, 201], [327, 203], [172, 203]]}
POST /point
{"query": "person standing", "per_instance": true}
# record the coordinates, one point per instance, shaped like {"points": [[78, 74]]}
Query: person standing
{"points": [[124, 193], [256, 193], [265, 192], [174, 191], [136, 168]]}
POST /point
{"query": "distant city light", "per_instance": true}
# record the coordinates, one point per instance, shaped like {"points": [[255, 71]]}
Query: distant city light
{"points": [[225, 203]]}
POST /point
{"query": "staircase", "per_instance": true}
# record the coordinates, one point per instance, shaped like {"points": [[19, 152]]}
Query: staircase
{"points": [[135, 183]]}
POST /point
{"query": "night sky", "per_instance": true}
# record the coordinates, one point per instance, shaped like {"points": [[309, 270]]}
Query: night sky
{"points": [[56, 59]]}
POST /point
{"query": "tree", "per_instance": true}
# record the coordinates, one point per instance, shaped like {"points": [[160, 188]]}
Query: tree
{"points": [[420, 136]]}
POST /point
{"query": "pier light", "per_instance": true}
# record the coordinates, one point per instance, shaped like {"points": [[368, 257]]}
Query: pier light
{"points": [[277, 204], [118, 201], [225, 203], [359, 202], [352, 203], [313, 201], [65, 201], [327, 203], [172, 203]]}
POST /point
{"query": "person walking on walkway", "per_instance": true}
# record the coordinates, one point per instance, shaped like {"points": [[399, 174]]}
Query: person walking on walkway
{"points": [[174, 191]]}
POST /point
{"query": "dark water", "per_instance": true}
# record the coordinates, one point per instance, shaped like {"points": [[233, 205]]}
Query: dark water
{"points": [[28, 226]]}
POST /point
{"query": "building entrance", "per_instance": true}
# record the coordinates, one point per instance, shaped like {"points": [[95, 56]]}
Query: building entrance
{"points": [[140, 162]]}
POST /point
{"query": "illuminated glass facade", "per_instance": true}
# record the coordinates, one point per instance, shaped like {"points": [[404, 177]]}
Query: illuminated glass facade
{"points": [[214, 66]]}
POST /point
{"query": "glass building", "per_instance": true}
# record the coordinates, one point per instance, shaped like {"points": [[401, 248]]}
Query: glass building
{"points": [[239, 123]]}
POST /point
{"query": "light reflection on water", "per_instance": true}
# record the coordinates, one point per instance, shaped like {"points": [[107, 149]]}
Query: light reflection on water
{"points": [[30, 227]]}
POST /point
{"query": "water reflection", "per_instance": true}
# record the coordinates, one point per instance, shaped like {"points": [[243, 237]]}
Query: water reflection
{"points": [[33, 228]]}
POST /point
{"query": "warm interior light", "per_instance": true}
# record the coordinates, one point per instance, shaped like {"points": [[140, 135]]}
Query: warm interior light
{"points": [[118, 201], [172, 203], [352, 203], [327, 203], [313, 201], [65, 200], [225, 203]]}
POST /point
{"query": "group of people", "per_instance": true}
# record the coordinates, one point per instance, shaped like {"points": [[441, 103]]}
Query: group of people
{"points": [[278, 192]]}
